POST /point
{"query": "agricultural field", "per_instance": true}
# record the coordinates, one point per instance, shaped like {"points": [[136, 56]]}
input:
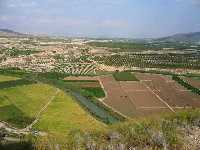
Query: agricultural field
{"points": [[116, 97], [13, 52], [89, 86], [153, 94], [64, 86], [7, 78], [75, 68], [152, 60], [20, 104], [170, 91], [64, 115], [131, 46], [124, 76]]}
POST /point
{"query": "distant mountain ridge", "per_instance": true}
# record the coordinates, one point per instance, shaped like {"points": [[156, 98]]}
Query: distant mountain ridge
{"points": [[11, 33], [182, 37], [193, 37]]}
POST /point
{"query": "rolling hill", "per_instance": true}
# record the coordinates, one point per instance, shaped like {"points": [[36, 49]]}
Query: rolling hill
{"points": [[182, 37], [11, 33]]}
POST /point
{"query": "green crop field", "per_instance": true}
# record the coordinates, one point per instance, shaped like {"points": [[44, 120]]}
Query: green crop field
{"points": [[196, 78], [124, 76], [7, 78], [20, 104], [65, 114], [97, 92], [91, 88], [23, 102]]}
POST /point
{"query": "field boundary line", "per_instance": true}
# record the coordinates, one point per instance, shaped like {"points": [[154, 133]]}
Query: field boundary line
{"points": [[130, 90], [167, 80], [142, 107], [102, 86], [41, 111], [183, 90], [159, 97]]}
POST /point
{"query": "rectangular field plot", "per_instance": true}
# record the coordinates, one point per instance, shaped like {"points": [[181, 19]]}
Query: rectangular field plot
{"points": [[124, 76], [153, 94], [170, 92], [131, 98], [84, 84], [24, 102], [116, 97], [90, 86], [140, 95]]}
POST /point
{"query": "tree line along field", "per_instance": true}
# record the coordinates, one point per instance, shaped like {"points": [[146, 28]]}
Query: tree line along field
{"points": [[194, 81], [20, 104]]}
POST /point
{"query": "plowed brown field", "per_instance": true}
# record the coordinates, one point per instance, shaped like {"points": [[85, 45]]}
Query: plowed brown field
{"points": [[153, 94], [170, 91], [131, 98], [116, 97]]}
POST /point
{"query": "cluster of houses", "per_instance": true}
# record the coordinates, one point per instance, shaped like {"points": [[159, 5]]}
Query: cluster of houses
{"points": [[46, 58]]}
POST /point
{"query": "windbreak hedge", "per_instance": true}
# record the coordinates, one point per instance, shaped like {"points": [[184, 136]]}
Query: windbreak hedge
{"points": [[186, 85]]}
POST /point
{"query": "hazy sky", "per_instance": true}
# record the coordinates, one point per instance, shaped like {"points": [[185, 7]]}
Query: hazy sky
{"points": [[101, 18]]}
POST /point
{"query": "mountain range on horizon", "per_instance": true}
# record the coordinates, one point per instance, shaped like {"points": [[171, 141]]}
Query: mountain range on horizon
{"points": [[11, 33], [193, 37], [182, 37]]}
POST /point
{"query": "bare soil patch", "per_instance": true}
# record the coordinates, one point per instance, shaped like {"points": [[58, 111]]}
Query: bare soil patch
{"points": [[171, 92], [131, 98], [116, 97], [140, 95]]}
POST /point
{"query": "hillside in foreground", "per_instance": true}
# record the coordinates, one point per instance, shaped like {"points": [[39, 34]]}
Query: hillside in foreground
{"points": [[180, 131]]}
